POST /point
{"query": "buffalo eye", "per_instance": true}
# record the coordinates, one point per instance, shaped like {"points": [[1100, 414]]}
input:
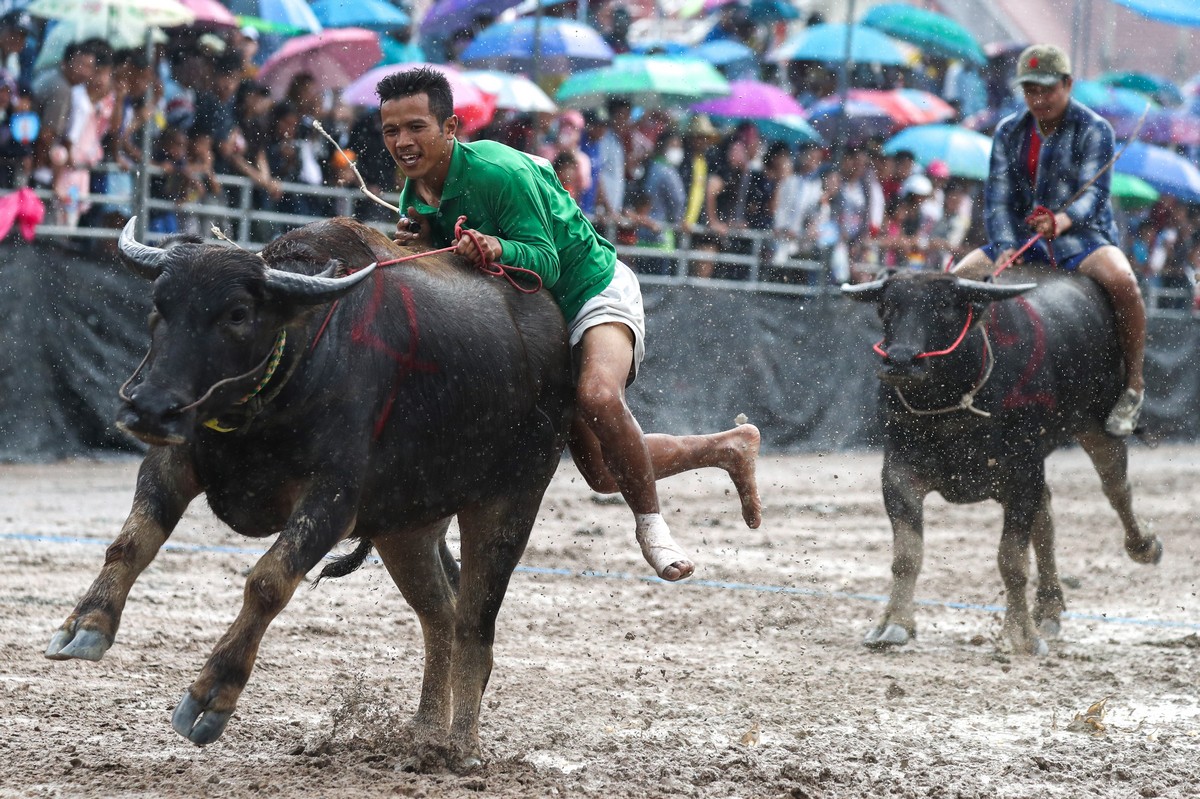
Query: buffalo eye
{"points": [[239, 314]]}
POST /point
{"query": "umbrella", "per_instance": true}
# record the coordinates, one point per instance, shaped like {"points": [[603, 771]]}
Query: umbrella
{"points": [[1106, 99], [1167, 172], [562, 46], [734, 59], [279, 16], [828, 43], [1173, 12], [964, 151], [871, 112], [766, 12], [210, 13], [395, 52], [149, 13], [1132, 192], [446, 17], [374, 15], [751, 99], [789, 128], [513, 92], [1162, 126], [908, 106], [121, 32], [334, 57], [1162, 90], [474, 107], [646, 81], [934, 33]]}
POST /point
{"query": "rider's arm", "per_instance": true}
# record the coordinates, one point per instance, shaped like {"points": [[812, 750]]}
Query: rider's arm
{"points": [[1096, 149], [525, 220]]}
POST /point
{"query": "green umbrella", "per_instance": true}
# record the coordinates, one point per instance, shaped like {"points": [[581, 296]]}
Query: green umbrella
{"points": [[1132, 192], [646, 81], [932, 32], [1161, 89], [267, 26]]}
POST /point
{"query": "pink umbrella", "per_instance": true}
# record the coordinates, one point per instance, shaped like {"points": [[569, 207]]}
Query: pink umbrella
{"points": [[210, 14], [335, 57], [474, 107], [751, 99]]}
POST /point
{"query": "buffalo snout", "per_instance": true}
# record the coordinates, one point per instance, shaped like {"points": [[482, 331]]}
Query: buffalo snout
{"points": [[902, 365], [155, 416]]}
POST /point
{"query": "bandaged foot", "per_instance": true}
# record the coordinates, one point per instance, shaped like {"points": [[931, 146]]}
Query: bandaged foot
{"points": [[659, 549]]}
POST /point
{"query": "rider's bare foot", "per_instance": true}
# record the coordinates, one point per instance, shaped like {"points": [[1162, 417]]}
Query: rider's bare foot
{"points": [[667, 558], [739, 457]]}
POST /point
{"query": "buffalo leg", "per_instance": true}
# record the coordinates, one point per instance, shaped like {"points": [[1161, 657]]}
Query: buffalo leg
{"points": [[1110, 456], [1048, 603], [414, 559], [1020, 513], [325, 516], [493, 539], [165, 486], [904, 501]]}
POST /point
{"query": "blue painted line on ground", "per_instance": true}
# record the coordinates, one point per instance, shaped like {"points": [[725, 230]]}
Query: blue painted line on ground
{"points": [[818, 593]]}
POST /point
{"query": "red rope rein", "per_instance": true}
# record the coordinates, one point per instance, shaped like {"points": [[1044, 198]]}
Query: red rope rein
{"points": [[882, 353], [486, 264]]}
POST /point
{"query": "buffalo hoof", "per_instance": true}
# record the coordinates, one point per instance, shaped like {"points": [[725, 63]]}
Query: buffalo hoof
{"points": [[886, 636], [1149, 553], [78, 644], [1049, 628], [197, 724]]}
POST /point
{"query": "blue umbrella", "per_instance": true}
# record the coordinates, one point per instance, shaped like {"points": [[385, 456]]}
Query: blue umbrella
{"points": [[828, 43], [446, 17], [734, 59], [294, 14], [375, 15], [966, 152], [565, 46], [1105, 99], [1174, 12], [1164, 170]]}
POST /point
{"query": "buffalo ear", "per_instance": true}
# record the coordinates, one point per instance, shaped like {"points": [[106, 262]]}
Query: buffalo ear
{"points": [[865, 292], [978, 291]]}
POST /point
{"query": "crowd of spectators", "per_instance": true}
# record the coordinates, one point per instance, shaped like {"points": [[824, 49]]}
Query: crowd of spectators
{"points": [[657, 180]]}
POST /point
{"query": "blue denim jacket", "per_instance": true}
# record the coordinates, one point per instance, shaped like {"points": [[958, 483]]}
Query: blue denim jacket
{"points": [[1071, 156]]}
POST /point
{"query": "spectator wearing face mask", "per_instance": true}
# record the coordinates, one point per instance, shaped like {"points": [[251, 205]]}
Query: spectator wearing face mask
{"points": [[665, 197]]}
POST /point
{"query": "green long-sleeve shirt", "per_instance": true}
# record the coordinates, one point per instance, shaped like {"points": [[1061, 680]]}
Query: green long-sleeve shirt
{"points": [[517, 198]]}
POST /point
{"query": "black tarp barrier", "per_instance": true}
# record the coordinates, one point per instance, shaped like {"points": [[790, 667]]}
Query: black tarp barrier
{"points": [[73, 328]]}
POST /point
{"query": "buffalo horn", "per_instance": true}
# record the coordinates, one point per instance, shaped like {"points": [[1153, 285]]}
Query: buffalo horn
{"points": [[142, 260], [865, 292], [978, 291], [313, 289]]}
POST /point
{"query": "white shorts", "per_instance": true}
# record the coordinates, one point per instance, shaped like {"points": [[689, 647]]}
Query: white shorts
{"points": [[621, 301]]}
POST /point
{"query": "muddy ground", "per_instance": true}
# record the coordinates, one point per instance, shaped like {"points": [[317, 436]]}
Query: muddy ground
{"points": [[749, 681]]}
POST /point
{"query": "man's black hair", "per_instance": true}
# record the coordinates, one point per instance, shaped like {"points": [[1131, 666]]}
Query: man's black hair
{"points": [[421, 80]]}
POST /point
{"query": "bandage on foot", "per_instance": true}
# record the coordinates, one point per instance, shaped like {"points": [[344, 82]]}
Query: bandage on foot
{"points": [[667, 558]]}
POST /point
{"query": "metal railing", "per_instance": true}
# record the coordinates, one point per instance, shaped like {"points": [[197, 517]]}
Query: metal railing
{"points": [[741, 262]]}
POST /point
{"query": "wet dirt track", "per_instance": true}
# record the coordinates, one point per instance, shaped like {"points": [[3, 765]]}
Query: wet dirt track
{"points": [[747, 682]]}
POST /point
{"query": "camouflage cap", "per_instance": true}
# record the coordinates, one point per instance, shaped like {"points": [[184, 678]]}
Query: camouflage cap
{"points": [[1044, 64]]}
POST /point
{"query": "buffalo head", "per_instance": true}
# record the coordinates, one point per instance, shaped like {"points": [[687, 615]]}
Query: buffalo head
{"points": [[924, 314], [218, 316]]}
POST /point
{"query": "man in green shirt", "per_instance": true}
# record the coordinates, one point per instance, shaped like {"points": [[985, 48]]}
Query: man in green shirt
{"points": [[522, 216]]}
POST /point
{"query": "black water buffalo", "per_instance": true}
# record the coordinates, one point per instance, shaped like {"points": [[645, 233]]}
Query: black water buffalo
{"points": [[980, 382], [373, 406]]}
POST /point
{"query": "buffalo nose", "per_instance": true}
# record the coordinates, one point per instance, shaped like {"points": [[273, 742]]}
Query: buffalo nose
{"points": [[900, 356], [149, 402]]}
